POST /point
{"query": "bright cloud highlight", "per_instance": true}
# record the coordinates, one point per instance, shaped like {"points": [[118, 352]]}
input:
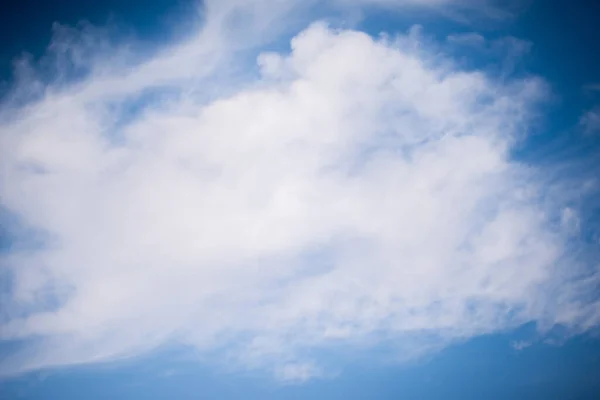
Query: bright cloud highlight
{"points": [[354, 192]]}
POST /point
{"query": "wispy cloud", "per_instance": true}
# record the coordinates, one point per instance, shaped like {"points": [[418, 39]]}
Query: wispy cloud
{"points": [[520, 345], [592, 87], [506, 52], [341, 194], [590, 121]]}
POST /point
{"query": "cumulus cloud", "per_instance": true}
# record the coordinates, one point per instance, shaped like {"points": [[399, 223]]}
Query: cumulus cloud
{"points": [[347, 193]]}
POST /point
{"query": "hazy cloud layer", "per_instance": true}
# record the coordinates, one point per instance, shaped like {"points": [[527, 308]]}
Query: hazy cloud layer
{"points": [[351, 192]]}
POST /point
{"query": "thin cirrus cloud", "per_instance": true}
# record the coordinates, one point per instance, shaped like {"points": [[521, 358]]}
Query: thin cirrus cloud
{"points": [[590, 121], [347, 193]]}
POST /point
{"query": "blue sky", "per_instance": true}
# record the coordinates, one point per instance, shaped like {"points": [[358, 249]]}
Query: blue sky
{"points": [[286, 200]]}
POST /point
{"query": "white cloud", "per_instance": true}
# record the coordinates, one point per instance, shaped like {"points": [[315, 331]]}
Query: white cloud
{"points": [[590, 121], [570, 220], [505, 54], [520, 344], [356, 192], [297, 372]]}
